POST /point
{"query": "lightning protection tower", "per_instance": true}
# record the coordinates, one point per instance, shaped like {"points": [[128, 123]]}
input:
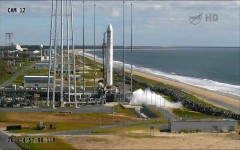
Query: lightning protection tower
{"points": [[62, 71], [9, 43]]}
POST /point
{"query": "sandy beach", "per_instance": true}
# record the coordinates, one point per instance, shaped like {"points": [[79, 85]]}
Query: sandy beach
{"points": [[219, 99]]}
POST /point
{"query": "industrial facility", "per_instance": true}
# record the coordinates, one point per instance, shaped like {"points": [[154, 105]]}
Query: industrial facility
{"points": [[65, 82], [204, 125], [36, 81], [61, 75]]}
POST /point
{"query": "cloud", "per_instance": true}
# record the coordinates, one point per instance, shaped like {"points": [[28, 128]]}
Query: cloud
{"points": [[154, 18], [116, 12]]}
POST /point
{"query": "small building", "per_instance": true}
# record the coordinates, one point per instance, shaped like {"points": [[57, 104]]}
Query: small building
{"points": [[37, 81], [204, 125], [41, 65], [46, 52]]}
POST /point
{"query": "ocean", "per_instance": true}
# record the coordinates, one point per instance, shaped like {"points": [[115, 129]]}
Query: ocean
{"points": [[212, 68]]}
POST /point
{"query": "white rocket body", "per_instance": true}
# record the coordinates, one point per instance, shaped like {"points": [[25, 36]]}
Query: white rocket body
{"points": [[109, 55]]}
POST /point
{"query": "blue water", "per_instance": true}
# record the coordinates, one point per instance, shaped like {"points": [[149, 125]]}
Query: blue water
{"points": [[216, 69]]}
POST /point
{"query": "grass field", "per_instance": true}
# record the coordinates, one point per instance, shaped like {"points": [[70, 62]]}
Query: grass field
{"points": [[123, 129], [63, 122], [186, 113], [125, 111], [6, 73], [142, 126]]}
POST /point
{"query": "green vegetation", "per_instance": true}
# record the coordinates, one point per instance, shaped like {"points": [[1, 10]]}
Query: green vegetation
{"points": [[33, 71], [126, 111], [19, 80], [7, 72], [123, 129], [186, 113], [168, 98], [5, 77], [58, 144], [62, 121], [201, 101], [60, 126], [23, 64], [142, 126]]}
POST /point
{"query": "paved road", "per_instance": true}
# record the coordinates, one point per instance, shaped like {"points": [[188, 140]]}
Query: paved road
{"points": [[4, 144], [12, 78], [89, 130]]}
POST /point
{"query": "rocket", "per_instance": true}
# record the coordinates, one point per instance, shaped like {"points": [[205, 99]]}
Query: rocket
{"points": [[109, 55]]}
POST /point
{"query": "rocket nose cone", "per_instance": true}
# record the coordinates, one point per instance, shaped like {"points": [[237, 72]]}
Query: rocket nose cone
{"points": [[109, 27]]}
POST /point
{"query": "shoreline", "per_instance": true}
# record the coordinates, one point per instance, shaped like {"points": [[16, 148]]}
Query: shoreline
{"points": [[220, 99]]}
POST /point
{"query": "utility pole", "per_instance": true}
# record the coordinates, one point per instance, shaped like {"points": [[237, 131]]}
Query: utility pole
{"points": [[131, 51], [94, 41], [50, 57], [62, 61], [123, 54], [83, 56]]}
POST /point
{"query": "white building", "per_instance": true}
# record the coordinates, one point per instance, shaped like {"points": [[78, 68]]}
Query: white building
{"points": [[204, 125], [37, 81]]}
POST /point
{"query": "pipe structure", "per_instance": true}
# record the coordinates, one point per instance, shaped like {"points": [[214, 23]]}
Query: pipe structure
{"points": [[55, 54], [68, 49], [123, 54], [50, 59], [83, 56], [73, 53], [109, 55], [62, 61], [131, 51], [94, 43]]}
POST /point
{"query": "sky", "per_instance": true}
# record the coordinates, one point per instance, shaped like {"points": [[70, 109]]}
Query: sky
{"points": [[155, 23]]}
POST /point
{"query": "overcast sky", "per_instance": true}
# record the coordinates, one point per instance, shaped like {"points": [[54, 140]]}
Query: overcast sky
{"points": [[155, 23]]}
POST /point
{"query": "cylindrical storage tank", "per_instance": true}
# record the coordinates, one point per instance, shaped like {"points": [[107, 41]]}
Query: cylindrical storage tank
{"points": [[14, 87]]}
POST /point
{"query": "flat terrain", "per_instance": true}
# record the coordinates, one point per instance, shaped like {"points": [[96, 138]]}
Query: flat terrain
{"points": [[158, 141], [82, 109], [62, 121], [96, 131]]}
